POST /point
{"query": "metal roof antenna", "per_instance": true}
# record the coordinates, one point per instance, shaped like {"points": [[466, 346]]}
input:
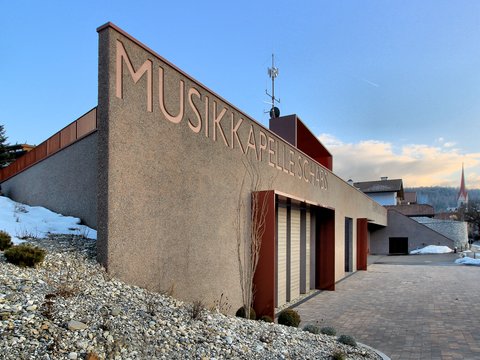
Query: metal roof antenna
{"points": [[273, 73]]}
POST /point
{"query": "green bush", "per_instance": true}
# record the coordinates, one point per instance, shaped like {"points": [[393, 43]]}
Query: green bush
{"points": [[266, 318], [339, 355], [347, 340], [5, 240], [241, 313], [289, 317], [24, 255], [314, 329], [328, 330]]}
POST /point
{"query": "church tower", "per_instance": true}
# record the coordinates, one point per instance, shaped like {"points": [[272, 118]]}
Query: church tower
{"points": [[462, 199]]}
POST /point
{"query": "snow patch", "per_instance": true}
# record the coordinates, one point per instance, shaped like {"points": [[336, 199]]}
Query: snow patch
{"points": [[468, 261], [432, 249], [22, 221]]}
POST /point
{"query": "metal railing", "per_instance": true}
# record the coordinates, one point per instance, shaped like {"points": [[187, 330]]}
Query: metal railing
{"points": [[83, 126]]}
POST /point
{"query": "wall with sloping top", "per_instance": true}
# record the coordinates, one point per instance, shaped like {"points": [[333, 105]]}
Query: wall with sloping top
{"points": [[65, 182]]}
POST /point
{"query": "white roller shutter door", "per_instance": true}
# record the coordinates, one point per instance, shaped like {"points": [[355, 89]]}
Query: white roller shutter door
{"points": [[294, 253], [281, 256], [307, 252]]}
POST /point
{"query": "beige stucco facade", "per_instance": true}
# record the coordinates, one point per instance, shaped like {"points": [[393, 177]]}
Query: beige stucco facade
{"points": [[172, 157]]}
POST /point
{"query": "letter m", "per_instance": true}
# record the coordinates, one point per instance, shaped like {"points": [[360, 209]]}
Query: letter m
{"points": [[136, 75]]}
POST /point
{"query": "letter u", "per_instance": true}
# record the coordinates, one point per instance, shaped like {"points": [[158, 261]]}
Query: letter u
{"points": [[161, 97]]}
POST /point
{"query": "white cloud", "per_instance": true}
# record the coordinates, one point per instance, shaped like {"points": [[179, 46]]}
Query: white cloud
{"points": [[416, 164]]}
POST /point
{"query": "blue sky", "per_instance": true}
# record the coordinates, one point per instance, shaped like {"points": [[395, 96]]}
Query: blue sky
{"points": [[392, 88]]}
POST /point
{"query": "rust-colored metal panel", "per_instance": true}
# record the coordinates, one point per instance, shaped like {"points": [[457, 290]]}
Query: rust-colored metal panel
{"points": [[264, 279], [310, 145], [293, 130], [68, 135], [87, 123], [29, 158], [362, 244], [285, 127], [40, 151], [53, 144], [20, 166], [325, 247]]}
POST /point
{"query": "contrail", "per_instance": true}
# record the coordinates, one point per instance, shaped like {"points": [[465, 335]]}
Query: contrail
{"points": [[368, 82]]}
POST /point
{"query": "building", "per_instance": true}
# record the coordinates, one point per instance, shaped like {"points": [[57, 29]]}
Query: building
{"points": [[410, 225], [404, 234], [170, 174], [410, 198], [384, 191]]}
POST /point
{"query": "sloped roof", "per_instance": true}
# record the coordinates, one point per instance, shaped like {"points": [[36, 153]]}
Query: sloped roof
{"points": [[414, 209], [380, 186]]}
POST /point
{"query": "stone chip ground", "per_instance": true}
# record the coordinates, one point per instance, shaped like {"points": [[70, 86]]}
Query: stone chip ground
{"points": [[68, 307]]}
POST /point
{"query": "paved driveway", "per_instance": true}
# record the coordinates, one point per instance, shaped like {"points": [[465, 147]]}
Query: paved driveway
{"points": [[406, 308]]}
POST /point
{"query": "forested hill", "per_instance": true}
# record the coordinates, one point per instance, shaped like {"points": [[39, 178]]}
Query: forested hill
{"points": [[440, 197]]}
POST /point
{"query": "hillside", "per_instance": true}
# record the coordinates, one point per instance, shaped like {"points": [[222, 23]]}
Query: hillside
{"points": [[68, 307], [440, 197]]}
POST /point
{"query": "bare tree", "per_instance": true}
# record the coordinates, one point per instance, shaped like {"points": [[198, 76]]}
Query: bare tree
{"points": [[250, 226], [472, 215]]}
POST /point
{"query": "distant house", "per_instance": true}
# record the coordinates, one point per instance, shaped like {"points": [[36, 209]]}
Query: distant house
{"points": [[410, 225], [410, 198], [384, 191], [18, 150]]}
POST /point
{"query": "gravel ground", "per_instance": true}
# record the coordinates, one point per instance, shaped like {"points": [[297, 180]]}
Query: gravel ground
{"points": [[68, 307]]}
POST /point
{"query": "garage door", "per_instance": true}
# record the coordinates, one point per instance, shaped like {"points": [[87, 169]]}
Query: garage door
{"points": [[281, 256], [294, 253], [398, 246], [307, 251]]}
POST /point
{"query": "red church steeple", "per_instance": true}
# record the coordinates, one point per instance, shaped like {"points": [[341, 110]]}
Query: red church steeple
{"points": [[462, 198]]}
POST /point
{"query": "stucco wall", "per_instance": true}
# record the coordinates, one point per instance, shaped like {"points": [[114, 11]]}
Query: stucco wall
{"points": [[169, 187], [400, 225], [65, 182]]}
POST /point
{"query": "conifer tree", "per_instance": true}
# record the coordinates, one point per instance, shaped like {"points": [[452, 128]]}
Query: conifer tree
{"points": [[5, 156]]}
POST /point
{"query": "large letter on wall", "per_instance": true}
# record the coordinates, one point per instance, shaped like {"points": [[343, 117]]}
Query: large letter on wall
{"points": [[136, 75]]}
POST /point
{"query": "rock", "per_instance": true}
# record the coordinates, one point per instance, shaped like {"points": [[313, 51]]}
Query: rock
{"points": [[118, 328], [74, 325], [116, 311]]}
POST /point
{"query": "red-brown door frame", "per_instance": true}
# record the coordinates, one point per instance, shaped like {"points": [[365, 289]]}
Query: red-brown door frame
{"points": [[264, 278], [362, 244], [325, 245]]}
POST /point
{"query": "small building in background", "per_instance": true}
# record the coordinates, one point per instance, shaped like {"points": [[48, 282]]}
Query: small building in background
{"points": [[384, 191], [410, 198], [410, 225]]}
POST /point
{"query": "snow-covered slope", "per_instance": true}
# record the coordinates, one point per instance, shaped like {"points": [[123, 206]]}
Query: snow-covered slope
{"points": [[22, 221]]}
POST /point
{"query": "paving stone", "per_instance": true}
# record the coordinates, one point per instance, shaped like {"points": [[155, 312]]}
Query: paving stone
{"points": [[411, 307]]}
